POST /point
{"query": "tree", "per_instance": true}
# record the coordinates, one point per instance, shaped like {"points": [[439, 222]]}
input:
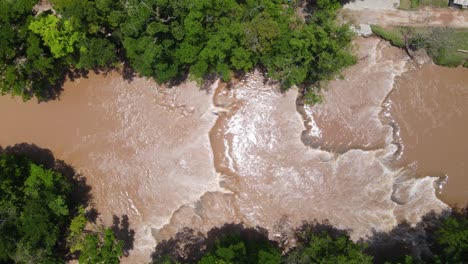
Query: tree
{"points": [[322, 247], [59, 35], [28, 68], [452, 239], [77, 231], [35, 217], [311, 53], [233, 248], [205, 37], [167, 40], [97, 52], [101, 247], [33, 209]]}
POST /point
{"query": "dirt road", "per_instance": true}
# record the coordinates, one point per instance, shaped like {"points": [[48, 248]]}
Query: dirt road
{"points": [[434, 17]]}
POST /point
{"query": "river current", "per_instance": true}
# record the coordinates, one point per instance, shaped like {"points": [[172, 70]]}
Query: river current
{"points": [[179, 157]]}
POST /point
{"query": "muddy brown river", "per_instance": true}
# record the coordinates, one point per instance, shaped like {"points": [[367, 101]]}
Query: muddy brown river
{"points": [[429, 106], [183, 157]]}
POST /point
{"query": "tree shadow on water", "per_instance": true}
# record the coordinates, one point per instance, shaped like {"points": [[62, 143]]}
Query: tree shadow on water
{"points": [[122, 231], [189, 246], [403, 240], [185, 246]]}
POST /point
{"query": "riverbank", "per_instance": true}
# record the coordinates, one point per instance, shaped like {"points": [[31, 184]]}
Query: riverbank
{"points": [[427, 17], [446, 47], [441, 32]]}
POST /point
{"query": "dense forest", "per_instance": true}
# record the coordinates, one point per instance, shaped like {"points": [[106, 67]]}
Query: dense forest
{"points": [[169, 41]]}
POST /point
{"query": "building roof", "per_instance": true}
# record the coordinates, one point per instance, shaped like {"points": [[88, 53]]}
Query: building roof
{"points": [[461, 2]]}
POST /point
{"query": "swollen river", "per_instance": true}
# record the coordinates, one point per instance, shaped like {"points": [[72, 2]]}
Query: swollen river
{"points": [[183, 157]]}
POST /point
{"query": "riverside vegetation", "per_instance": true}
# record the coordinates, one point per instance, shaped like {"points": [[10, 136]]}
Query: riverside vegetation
{"points": [[447, 47], [435, 240], [414, 4], [41, 222], [168, 41]]}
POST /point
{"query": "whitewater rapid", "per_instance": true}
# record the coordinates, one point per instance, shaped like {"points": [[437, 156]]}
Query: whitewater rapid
{"points": [[169, 158]]}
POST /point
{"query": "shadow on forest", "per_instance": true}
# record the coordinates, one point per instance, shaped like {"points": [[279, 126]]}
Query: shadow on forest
{"points": [[302, 233], [417, 241], [188, 246], [122, 231]]}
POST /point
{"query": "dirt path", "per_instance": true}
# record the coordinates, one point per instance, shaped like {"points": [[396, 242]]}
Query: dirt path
{"points": [[434, 17]]}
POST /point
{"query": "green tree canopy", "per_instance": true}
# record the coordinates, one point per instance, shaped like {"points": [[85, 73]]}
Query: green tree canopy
{"points": [[59, 35], [100, 247], [27, 66], [168, 40], [323, 247], [452, 239], [36, 212], [33, 209], [233, 249]]}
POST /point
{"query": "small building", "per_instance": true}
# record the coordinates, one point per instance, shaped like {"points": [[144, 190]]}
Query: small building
{"points": [[462, 3]]}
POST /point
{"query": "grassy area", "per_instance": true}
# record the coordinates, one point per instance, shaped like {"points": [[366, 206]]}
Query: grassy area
{"points": [[413, 4], [442, 44], [445, 45], [393, 35]]}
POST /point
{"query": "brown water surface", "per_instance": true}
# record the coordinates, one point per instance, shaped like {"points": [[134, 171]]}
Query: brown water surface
{"points": [[277, 181], [181, 157], [430, 106], [144, 150], [348, 118]]}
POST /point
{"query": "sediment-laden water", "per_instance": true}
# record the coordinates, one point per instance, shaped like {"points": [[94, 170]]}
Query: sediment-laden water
{"points": [[349, 116], [144, 150], [182, 157], [341, 170], [429, 108]]}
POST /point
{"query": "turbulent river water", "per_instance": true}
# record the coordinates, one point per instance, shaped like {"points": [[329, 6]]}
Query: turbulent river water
{"points": [[430, 113], [185, 157]]}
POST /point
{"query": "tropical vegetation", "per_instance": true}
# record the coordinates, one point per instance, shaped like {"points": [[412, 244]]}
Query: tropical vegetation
{"points": [[168, 41], [40, 222]]}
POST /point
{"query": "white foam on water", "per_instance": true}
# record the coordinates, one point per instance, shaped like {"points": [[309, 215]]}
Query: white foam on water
{"points": [[315, 129], [154, 162], [278, 177]]}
